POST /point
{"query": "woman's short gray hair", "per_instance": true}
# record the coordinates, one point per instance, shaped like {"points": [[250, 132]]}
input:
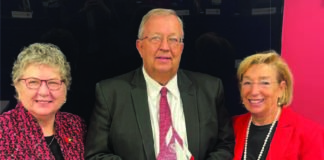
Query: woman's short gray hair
{"points": [[42, 54]]}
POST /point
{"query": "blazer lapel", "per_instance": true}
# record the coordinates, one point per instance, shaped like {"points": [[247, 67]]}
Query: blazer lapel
{"points": [[240, 132], [139, 96], [189, 101], [282, 136]]}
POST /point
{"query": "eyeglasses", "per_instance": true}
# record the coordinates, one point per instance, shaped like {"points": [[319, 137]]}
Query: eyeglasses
{"points": [[35, 83], [262, 84], [157, 39]]}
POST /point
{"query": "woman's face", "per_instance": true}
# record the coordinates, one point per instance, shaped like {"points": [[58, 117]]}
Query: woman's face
{"points": [[260, 89], [41, 102]]}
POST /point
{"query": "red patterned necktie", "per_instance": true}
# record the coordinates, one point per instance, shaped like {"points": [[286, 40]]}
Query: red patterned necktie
{"points": [[167, 151]]}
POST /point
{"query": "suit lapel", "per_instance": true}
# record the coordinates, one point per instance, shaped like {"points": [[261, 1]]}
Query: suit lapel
{"points": [[139, 96], [189, 101], [188, 96]]}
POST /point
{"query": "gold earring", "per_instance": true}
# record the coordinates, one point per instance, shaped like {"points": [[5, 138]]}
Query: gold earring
{"points": [[279, 103]]}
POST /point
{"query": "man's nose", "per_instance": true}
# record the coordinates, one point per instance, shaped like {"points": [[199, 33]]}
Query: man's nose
{"points": [[164, 44]]}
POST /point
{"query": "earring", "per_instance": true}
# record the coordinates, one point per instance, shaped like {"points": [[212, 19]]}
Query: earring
{"points": [[279, 103]]}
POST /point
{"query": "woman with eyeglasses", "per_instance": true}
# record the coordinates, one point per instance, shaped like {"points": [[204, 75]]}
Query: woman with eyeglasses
{"points": [[36, 129], [271, 130]]}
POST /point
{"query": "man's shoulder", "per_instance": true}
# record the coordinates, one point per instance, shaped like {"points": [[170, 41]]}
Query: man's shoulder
{"points": [[198, 75], [120, 79]]}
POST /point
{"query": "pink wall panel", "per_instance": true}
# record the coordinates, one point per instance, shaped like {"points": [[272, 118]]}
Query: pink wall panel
{"points": [[303, 49]]}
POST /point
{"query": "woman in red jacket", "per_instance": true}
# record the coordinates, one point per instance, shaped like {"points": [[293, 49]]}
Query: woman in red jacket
{"points": [[36, 129], [270, 130]]}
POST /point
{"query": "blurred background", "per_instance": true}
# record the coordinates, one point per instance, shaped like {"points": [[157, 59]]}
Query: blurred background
{"points": [[98, 37]]}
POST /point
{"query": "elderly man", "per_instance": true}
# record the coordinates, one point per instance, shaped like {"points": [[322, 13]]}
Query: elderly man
{"points": [[158, 111]]}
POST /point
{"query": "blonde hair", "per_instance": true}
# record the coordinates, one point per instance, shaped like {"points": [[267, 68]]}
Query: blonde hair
{"points": [[283, 72], [42, 54], [157, 12]]}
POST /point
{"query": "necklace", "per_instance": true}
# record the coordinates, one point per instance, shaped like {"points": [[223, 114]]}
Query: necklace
{"points": [[265, 140], [51, 141]]}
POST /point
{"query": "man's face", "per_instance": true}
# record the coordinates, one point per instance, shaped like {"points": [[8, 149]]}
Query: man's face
{"points": [[161, 46]]}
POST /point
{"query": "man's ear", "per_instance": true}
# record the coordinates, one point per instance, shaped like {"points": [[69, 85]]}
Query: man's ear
{"points": [[139, 46], [182, 46]]}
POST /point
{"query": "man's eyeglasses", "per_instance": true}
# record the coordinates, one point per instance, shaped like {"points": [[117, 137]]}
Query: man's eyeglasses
{"points": [[157, 39], [35, 83]]}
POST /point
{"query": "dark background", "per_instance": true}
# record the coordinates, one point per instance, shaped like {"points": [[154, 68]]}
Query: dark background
{"points": [[99, 41]]}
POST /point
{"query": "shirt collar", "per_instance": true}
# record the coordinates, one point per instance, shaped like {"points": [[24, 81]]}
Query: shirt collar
{"points": [[153, 87]]}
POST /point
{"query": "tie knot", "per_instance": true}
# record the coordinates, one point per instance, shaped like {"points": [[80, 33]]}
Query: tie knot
{"points": [[164, 91]]}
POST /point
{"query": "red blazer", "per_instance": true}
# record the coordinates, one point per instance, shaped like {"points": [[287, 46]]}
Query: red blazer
{"points": [[21, 137], [295, 138]]}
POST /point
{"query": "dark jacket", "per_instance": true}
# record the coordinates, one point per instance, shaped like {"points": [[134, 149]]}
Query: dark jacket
{"points": [[120, 127]]}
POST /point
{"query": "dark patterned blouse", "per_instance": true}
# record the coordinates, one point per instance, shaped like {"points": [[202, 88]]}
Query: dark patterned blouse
{"points": [[21, 137]]}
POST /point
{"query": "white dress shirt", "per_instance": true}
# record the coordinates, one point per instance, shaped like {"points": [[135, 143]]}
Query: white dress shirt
{"points": [[176, 108]]}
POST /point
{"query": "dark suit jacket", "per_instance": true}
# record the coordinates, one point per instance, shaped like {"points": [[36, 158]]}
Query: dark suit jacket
{"points": [[120, 126], [295, 137]]}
